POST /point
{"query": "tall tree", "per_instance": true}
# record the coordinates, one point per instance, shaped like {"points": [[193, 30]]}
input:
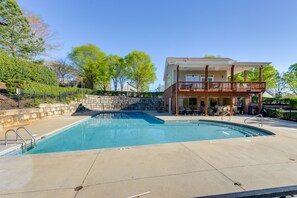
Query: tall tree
{"points": [[142, 69], [92, 64], [280, 86], [114, 62], [62, 69], [16, 38], [118, 70], [290, 78], [124, 73], [40, 29]]}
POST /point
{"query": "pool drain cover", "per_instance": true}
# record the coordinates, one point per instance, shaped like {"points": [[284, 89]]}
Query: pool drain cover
{"points": [[78, 188]]}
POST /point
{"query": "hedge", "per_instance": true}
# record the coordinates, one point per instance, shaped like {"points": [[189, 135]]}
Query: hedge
{"points": [[290, 101], [12, 68], [29, 87], [129, 94], [287, 115]]}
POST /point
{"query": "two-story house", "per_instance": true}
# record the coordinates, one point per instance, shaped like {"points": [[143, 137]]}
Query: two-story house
{"points": [[203, 84]]}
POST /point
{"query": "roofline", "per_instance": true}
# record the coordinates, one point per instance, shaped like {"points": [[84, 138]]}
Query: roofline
{"points": [[230, 63]]}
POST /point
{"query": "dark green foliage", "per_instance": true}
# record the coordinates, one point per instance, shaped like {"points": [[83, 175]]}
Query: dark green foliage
{"points": [[293, 102], [282, 114], [16, 37], [289, 101], [12, 69], [29, 87], [130, 94]]}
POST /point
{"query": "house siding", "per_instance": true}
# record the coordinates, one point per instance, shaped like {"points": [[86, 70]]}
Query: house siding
{"points": [[217, 75]]}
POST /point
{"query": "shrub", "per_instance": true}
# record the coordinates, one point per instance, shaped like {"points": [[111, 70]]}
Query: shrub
{"points": [[12, 68], [290, 116], [130, 94], [293, 102], [28, 88], [279, 114]]}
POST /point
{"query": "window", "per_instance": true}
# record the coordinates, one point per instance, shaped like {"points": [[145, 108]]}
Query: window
{"points": [[191, 77], [187, 102], [210, 78]]}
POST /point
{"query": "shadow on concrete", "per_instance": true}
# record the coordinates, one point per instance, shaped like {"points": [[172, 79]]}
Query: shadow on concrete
{"points": [[275, 122]]}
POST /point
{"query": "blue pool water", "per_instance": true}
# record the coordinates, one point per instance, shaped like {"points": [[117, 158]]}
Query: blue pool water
{"points": [[108, 130]]}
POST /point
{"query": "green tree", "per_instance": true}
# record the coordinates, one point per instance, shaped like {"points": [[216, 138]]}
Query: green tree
{"points": [[280, 86], [92, 64], [62, 69], [270, 76], [118, 70], [124, 73], [290, 78], [114, 64], [160, 88], [16, 37], [211, 56], [142, 70]]}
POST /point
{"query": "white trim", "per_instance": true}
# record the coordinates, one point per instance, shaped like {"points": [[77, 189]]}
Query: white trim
{"points": [[198, 77], [209, 76]]}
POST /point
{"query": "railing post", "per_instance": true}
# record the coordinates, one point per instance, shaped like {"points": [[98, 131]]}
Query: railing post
{"points": [[34, 97], [19, 100]]}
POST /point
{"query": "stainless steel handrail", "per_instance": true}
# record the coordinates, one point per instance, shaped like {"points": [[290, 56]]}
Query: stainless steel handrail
{"points": [[24, 144], [33, 138], [259, 115], [227, 113]]}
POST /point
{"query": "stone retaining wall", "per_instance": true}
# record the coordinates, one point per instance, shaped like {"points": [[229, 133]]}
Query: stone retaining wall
{"points": [[15, 117], [103, 103]]}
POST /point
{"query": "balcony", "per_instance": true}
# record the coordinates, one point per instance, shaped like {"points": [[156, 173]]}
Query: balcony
{"points": [[225, 87]]}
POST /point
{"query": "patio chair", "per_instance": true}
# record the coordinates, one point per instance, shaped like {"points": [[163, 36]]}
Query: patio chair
{"points": [[182, 110], [189, 111], [194, 110]]}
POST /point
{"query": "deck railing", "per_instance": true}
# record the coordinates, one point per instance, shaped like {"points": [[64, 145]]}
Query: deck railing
{"points": [[183, 86]]}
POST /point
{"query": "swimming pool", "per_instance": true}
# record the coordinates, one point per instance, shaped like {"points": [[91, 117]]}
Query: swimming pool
{"points": [[123, 129]]}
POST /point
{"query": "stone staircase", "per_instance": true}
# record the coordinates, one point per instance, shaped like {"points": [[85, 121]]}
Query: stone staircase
{"points": [[106, 103]]}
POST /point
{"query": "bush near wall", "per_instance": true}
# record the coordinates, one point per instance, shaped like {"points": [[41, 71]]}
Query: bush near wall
{"points": [[130, 94], [13, 68], [30, 87], [289, 101], [282, 114]]}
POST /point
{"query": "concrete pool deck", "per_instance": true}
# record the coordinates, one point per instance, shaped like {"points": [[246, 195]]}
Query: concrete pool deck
{"points": [[184, 169]]}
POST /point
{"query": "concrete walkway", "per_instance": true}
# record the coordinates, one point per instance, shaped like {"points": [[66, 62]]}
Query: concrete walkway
{"points": [[185, 169]]}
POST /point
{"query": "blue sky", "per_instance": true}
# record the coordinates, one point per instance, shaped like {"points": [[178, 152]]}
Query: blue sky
{"points": [[250, 30]]}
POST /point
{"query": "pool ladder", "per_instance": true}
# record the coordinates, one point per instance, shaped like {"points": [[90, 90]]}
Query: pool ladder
{"points": [[24, 143], [260, 124], [227, 113]]}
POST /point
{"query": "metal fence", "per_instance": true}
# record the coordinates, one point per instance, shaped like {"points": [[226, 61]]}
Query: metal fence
{"points": [[285, 113], [28, 99]]}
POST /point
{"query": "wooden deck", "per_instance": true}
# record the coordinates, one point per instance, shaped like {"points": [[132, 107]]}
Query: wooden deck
{"points": [[221, 87]]}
